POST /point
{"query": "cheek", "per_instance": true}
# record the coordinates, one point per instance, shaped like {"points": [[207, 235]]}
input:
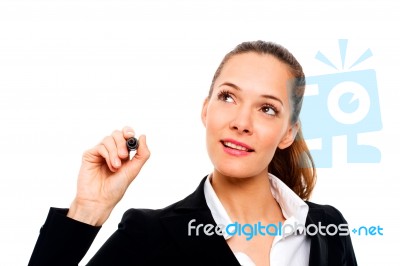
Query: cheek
{"points": [[216, 118], [270, 135]]}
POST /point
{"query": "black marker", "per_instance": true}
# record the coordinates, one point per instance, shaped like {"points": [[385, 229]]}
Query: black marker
{"points": [[132, 144]]}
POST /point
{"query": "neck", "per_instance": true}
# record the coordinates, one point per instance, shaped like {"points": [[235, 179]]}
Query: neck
{"points": [[247, 200]]}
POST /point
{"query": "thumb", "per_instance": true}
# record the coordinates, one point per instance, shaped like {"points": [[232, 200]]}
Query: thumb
{"points": [[134, 166]]}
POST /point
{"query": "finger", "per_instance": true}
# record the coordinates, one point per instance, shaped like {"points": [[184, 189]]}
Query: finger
{"points": [[128, 132], [111, 147], [120, 141], [143, 152], [140, 158], [101, 149]]}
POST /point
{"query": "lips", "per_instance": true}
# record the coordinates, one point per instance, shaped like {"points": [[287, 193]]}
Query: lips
{"points": [[236, 145]]}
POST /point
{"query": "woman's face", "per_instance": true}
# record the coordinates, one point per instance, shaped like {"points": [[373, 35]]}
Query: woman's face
{"points": [[247, 115]]}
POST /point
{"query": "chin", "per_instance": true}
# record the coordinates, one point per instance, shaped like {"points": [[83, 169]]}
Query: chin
{"points": [[237, 171]]}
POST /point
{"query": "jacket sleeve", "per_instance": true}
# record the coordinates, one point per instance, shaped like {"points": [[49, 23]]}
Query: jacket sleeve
{"points": [[62, 240], [129, 244]]}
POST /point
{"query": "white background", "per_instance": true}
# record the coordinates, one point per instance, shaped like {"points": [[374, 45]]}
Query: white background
{"points": [[73, 71]]}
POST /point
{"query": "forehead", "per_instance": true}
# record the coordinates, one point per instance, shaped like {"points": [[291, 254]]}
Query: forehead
{"points": [[257, 74], [253, 67]]}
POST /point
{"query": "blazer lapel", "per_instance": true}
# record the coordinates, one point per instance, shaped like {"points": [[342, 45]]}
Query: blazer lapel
{"points": [[209, 249], [319, 245]]}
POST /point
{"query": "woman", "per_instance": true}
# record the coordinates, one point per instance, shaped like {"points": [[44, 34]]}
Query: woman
{"points": [[263, 173]]}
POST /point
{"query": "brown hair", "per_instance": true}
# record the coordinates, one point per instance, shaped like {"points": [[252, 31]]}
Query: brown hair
{"points": [[293, 165]]}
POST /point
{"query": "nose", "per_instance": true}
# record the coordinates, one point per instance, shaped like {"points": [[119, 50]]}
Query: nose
{"points": [[242, 121]]}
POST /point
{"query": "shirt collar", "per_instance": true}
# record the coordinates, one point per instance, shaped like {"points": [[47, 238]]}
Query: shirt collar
{"points": [[294, 209]]}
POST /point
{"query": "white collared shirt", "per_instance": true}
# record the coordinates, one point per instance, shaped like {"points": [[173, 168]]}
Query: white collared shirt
{"points": [[293, 249]]}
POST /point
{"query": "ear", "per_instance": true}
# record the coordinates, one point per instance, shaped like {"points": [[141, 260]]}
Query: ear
{"points": [[289, 137], [204, 111]]}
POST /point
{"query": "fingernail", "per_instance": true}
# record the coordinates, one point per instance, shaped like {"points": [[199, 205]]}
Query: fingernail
{"points": [[130, 133], [117, 162]]}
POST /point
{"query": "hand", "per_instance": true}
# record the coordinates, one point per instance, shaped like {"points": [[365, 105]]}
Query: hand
{"points": [[104, 176]]}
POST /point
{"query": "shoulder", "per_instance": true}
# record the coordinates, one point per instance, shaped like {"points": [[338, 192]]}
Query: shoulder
{"points": [[327, 213], [334, 242]]}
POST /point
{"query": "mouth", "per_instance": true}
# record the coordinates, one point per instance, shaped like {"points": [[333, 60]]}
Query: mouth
{"points": [[235, 145]]}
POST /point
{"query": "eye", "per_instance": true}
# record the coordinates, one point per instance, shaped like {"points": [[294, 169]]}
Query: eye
{"points": [[225, 96], [269, 110]]}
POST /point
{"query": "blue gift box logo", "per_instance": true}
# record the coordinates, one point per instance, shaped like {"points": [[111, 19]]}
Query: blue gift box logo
{"points": [[346, 103]]}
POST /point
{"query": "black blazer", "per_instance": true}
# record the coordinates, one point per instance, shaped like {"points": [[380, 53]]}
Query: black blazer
{"points": [[160, 237]]}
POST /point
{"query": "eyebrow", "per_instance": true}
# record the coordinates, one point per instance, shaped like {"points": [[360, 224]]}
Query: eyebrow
{"points": [[234, 86]]}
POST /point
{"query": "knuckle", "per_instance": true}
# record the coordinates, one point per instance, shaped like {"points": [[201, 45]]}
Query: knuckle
{"points": [[116, 133], [127, 128], [85, 155], [105, 140]]}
